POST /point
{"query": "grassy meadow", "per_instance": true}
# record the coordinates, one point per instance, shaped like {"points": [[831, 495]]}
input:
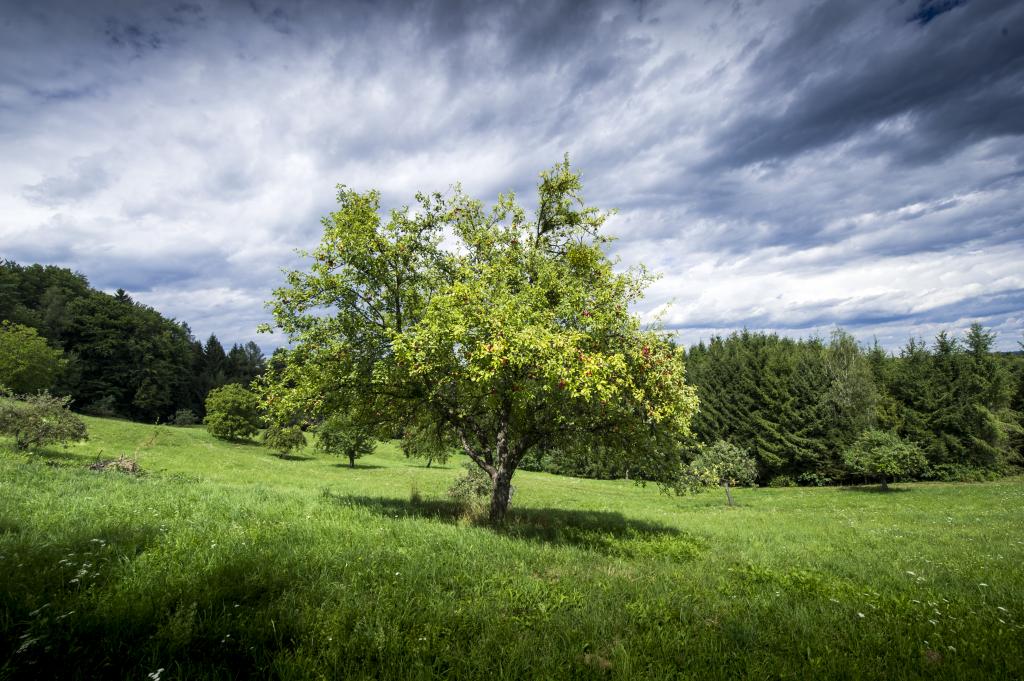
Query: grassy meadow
{"points": [[225, 561]]}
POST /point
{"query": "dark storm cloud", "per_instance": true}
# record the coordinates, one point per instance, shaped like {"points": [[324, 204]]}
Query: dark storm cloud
{"points": [[789, 166], [846, 69]]}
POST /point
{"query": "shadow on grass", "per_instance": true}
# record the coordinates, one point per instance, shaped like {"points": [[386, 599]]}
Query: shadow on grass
{"points": [[605, 532], [59, 608], [359, 466], [295, 457], [242, 442], [49, 582], [874, 489], [57, 456]]}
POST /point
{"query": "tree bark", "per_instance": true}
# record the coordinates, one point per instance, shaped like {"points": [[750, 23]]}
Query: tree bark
{"points": [[885, 484], [728, 494], [351, 461], [503, 469], [500, 496]]}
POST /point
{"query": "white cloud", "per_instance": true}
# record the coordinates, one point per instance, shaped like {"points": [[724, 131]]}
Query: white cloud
{"points": [[184, 155]]}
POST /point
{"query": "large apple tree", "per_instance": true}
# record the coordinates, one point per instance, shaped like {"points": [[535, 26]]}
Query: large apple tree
{"points": [[492, 328]]}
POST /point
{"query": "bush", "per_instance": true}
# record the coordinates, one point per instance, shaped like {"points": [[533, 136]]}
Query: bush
{"points": [[781, 481], [41, 419], [578, 464], [814, 479], [283, 439], [184, 417], [472, 490], [883, 455], [231, 413], [339, 435], [952, 472]]}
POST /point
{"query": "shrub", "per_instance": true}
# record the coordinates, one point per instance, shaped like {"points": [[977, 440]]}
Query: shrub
{"points": [[781, 481], [472, 490], [814, 479], [952, 472], [184, 417], [231, 413], [283, 439], [883, 455], [42, 419], [339, 435]]}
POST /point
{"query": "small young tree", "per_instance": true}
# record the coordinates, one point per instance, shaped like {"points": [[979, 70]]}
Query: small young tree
{"points": [[881, 454], [40, 419], [231, 413], [426, 441], [723, 464], [27, 363], [283, 439], [339, 435]]}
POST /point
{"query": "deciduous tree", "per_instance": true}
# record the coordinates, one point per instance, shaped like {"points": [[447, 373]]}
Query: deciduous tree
{"points": [[516, 332], [341, 435], [231, 412], [725, 464], [883, 455], [283, 439], [27, 363]]}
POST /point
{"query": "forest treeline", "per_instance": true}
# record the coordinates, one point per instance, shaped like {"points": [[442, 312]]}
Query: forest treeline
{"points": [[796, 405], [120, 358]]}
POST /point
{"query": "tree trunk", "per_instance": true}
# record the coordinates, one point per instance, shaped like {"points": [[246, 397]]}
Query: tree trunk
{"points": [[500, 496], [728, 494], [430, 460], [503, 469], [885, 484], [351, 461]]}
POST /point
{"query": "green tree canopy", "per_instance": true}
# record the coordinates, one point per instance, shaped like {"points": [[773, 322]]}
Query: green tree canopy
{"points": [[231, 412], [883, 455], [514, 333], [27, 363], [340, 435], [283, 439], [722, 463]]}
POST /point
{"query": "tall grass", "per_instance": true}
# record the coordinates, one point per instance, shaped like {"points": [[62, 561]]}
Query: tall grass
{"points": [[226, 561]]}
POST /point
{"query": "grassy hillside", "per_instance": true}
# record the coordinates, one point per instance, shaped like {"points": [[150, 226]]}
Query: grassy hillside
{"points": [[224, 561]]}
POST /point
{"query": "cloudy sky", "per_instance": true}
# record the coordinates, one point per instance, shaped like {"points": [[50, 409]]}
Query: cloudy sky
{"points": [[789, 166]]}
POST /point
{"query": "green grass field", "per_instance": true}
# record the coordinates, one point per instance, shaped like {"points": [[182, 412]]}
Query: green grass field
{"points": [[224, 561]]}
